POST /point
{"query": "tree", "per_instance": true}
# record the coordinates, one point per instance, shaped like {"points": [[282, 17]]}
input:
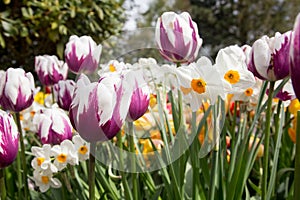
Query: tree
{"points": [[32, 27]]}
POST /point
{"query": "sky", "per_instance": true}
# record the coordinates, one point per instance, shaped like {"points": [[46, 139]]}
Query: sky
{"points": [[134, 10]]}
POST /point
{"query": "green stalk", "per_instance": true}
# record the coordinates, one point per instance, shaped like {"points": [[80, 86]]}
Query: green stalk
{"points": [[23, 158], [19, 174], [215, 154], [133, 162], [195, 160], [2, 185], [127, 190], [297, 161], [267, 141], [92, 171]]}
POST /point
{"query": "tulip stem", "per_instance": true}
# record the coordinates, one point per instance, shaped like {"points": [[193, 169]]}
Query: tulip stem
{"points": [[23, 158], [92, 171], [267, 141], [2, 185], [127, 190], [133, 161], [297, 160]]}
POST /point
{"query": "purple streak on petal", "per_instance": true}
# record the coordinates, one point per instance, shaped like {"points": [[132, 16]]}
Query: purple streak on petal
{"points": [[73, 61], [113, 126], [138, 105], [8, 143], [280, 59], [89, 64], [252, 67]]}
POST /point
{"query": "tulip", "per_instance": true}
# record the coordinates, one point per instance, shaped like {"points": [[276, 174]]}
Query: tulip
{"points": [[268, 57], [63, 92], [8, 139], [98, 109], [177, 37], [53, 125], [295, 57], [16, 89], [140, 97], [50, 70], [82, 54]]}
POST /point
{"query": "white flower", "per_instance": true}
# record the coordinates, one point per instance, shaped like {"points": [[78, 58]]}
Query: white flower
{"points": [[64, 154], [44, 180], [42, 160], [250, 94], [231, 64], [200, 82], [82, 147]]}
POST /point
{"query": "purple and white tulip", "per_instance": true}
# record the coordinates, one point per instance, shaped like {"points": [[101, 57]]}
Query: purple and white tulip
{"points": [[295, 57], [8, 139], [268, 59], [50, 70], [16, 89], [82, 54], [53, 125], [99, 109], [140, 97], [63, 92], [177, 37]]}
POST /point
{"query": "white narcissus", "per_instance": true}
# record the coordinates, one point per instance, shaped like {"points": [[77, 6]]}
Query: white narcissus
{"points": [[8, 139], [268, 59], [177, 37], [200, 82], [42, 160], [82, 147], [231, 64], [50, 70], [53, 125], [16, 89], [82, 54], [64, 154], [44, 180]]}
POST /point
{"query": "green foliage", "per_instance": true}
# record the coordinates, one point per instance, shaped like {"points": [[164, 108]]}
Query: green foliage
{"points": [[30, 28]]}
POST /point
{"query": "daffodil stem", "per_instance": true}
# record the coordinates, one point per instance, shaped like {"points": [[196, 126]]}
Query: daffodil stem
{"points": [[297, 160], [2, 184], [23, 158], [133, 161], [194, 152], [92, 171], [267, 141]]}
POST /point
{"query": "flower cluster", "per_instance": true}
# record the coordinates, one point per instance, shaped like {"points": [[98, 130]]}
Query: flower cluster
{"points": [[49, 160]]}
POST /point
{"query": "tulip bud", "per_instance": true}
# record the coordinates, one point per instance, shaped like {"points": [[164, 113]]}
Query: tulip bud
{"points": [[295, 57], [8, 139], [98, 109], [268, 57], [82, 54], [50, 70], [16, 89], [53, 125], [63, 92], [177, 37]]}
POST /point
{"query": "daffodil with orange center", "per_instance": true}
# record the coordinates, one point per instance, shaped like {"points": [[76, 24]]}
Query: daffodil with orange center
{"points": [[231, 64], [64, 154], [200, 82]]}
